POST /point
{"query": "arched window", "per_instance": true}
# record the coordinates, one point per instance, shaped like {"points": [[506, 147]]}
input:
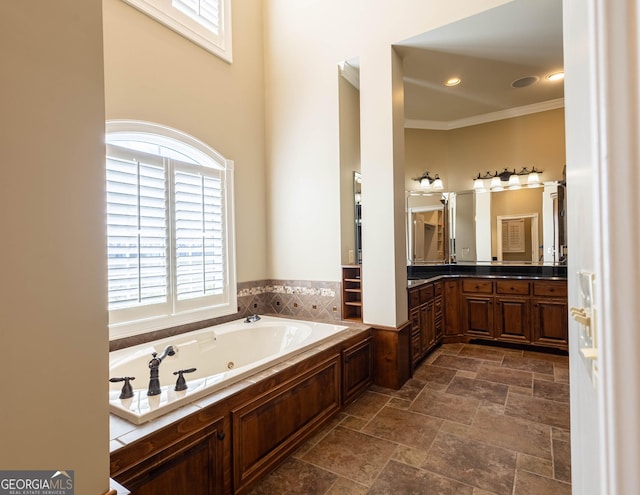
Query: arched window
{"points": [[170, 236]]}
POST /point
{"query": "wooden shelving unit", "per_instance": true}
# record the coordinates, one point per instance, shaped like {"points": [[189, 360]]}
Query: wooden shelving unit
{"points": [[351, 293]]}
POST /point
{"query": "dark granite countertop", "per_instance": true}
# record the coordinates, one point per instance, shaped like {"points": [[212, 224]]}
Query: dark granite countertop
{"points": [[420, 274]]}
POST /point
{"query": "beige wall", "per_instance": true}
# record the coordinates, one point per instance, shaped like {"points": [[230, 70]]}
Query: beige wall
{"points": [[459, 155], [154, 74], [53, 318], [304, 42]]}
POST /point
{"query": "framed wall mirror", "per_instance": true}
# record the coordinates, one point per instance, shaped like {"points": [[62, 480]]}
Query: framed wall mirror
{"points": [[357, 204], [512, 226], [427, 227]]}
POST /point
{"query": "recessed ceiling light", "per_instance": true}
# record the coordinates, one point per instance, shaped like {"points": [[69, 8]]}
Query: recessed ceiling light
{"points": [[453, 81], [556, 76]]}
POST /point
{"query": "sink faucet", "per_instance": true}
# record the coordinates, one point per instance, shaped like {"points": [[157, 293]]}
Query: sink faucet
{"points": [[154, 366]]}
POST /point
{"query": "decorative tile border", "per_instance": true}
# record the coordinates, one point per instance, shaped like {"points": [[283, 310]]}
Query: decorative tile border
{"points": [[287, 289]]}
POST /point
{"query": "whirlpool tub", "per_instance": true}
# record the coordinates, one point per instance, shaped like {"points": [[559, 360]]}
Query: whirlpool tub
{"points": [[221, 355]]}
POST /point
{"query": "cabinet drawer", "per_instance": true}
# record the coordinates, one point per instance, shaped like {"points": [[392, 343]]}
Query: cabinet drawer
{"points": [[437, 307], [426, 293], [520, 287], [414, 298], [437, 287], [477, 286], [415, 320], [550, 289]]}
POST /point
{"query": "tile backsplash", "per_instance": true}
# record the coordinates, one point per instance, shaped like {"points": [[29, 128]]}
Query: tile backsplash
{"points": [[305, 299], [302, 298]]}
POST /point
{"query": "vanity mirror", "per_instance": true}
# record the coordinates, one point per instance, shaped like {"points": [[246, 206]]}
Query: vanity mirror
{"points": [[427, 227], [357, 215], [513, 226]]}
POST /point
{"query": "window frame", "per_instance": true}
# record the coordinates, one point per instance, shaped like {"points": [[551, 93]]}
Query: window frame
{"points": [[202, 155], [165, 13]]}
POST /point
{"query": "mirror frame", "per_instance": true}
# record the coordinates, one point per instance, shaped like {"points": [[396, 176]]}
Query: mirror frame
{"points": [[559, 232]]}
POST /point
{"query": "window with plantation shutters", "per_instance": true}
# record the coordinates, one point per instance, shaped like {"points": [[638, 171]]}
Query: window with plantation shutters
{"points": [[137, 222], [204, 22], [169, 237], [198, 234], [206, 12]]}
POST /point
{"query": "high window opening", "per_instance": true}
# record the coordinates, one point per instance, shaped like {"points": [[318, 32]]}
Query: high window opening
{"points": [[204, 22], [170, 236]]}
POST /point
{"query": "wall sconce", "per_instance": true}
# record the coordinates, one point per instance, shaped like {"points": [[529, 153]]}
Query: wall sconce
{"points": [[428, 182], [512, 178]]}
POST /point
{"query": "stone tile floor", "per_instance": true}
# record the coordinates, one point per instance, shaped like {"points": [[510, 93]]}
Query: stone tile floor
{"points": [[474, 420]]}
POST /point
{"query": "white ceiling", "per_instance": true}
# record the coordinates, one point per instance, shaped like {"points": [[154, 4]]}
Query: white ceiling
{"points": [[488, 52]]}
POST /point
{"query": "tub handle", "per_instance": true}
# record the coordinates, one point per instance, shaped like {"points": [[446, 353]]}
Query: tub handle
{"points": [[181, 384], [127, 390]]}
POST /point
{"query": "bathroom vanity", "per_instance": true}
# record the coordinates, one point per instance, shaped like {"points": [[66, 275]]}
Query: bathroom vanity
{"points": [[530, 311]]}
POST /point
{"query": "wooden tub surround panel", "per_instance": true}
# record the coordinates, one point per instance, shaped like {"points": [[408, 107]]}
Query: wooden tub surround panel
{"points": [[229, 444]]}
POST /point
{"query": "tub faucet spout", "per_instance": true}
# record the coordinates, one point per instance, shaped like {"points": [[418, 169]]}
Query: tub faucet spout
{"points": [[154, 367], [252, 319]]}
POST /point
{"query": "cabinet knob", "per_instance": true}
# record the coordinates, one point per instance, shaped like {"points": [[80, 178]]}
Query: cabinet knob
{"points": [[221, 435]]}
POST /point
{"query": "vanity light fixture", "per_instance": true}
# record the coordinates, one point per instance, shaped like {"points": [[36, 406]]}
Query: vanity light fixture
{"points": [[428, 182], [479, 182], [512, 178]]}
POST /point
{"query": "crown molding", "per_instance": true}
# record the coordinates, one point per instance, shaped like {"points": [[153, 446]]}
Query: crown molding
{"points": [[484, 118]]}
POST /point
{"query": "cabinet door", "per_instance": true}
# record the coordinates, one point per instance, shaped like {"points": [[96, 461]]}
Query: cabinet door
{"points": [[477, 315], [550, 325], [192, 467], [512, 319], [428, 332], [357, 365], [416, 335], [270, 427], [438, 310], [451, 308]]}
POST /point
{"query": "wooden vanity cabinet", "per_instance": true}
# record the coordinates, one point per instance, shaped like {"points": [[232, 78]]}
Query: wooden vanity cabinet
{"points": [[426, 310], [451, 308], [550, 315], [477, 307], [512, 311], [515, 310], [438, 312]]}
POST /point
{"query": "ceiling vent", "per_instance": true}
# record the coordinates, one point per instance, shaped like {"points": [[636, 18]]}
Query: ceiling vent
{"points": [[523, 82]]}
